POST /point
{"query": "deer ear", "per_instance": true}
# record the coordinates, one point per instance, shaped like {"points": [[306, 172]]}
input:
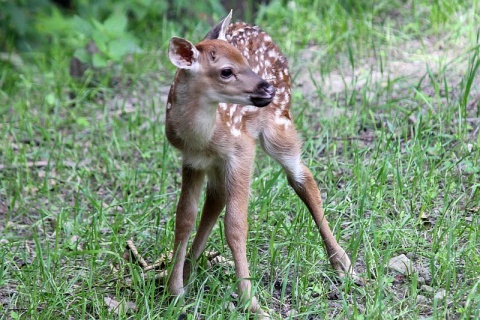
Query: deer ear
{"points": [[182, 53], [218, 32]]}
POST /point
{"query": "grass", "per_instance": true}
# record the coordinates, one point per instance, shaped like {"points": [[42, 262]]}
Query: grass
{"points": [[387, 101]]}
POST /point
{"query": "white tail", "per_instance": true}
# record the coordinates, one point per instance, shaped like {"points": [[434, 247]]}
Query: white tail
{"points": [[232, 89]]}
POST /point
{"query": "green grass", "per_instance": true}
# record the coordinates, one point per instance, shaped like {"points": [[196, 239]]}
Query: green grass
{"points": [[394, 150]]}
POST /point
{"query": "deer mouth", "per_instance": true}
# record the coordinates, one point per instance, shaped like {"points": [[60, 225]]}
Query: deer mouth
{"points": [[261, 102], [263, 95]]}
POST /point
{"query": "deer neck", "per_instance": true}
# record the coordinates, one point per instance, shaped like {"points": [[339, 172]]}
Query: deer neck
{"points": [[190, 114]]}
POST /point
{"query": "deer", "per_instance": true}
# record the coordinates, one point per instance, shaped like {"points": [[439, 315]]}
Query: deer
{"points": [[231, 90]]}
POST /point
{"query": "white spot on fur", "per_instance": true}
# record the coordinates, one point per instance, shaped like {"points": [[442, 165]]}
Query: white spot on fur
{"points": [[272, 54], [237, 119], [281, 120], [235, 132], [232, 110], [247, 109]]}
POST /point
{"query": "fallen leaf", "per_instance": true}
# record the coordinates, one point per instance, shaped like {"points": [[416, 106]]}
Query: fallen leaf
{"points": [[118, 307], [425, 218]]}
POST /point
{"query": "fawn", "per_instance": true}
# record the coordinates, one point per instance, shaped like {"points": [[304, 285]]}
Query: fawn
{"points": [[232, 89]]}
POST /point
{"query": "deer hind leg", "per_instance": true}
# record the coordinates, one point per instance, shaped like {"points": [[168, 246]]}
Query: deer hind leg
{"points": [[214, 203], [185, 219], [282, 144]]}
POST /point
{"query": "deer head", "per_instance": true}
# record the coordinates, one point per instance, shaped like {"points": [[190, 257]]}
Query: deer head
{"points": [[217, 71]]}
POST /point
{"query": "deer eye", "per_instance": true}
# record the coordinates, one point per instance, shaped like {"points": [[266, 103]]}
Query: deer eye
{"points": [[226, 73]]}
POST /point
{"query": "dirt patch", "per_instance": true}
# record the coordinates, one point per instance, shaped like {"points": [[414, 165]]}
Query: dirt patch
{"points": [[411, 61]]}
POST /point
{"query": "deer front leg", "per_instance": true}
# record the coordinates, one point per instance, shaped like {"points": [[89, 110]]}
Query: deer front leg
{"points": [[213, 206], [184, 222], [236, 226]]}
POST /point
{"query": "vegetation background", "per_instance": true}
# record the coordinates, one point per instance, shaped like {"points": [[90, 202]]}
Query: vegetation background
{"points": [[386, 98]]}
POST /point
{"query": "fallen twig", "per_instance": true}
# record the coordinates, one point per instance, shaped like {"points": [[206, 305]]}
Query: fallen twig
{"points": [[132, 255], [132, 252]]}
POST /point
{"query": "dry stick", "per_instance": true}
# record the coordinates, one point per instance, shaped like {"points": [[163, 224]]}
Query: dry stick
{"points": [[160, 261], [214, 257], [136, 256], [131, 248]]}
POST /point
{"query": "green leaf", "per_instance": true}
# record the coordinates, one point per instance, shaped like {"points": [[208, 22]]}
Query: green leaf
{"points": [[116, 24], [82, 26], [82, 121], [50, 99], [53, 23], [97, 26], [101, 40], [14, 315], [99, 61], [82, 55], [118, 48]]}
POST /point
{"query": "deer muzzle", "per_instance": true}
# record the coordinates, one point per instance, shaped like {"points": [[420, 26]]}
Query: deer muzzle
{"points": [[263, 94]]}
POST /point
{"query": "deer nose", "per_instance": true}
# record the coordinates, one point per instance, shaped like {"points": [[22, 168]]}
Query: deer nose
{"points": [[267, 87], [263, 94]]}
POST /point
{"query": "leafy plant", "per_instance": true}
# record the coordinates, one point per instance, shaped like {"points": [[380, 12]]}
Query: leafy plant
{"points": [[111, 38], [15, 26]]}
